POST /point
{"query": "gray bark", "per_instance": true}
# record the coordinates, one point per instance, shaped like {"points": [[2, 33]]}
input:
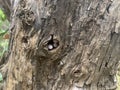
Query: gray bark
{"points": [[64, 45]]}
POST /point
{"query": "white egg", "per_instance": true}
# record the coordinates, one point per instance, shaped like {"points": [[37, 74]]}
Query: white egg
{"points": [[50, 46]]}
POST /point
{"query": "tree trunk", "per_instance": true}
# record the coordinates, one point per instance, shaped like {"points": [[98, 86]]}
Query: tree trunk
{"points": [[64, 45]]}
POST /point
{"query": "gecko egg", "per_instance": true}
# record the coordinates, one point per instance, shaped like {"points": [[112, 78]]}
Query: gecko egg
{"points": [[50, 47]]}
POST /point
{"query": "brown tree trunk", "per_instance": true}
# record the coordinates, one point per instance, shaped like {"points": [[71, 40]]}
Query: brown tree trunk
{"points": [[64, 45]]}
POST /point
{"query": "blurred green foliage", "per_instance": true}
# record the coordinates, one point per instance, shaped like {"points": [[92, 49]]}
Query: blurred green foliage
{"points": [[2, 16], [4, 24]]}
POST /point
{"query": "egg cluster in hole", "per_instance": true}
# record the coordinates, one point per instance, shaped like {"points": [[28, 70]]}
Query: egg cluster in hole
{"points": [[52, 43]]}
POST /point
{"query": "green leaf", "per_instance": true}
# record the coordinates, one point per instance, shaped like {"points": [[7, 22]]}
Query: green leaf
{"points": [[2, 15], [3, 32], [1, 77]]}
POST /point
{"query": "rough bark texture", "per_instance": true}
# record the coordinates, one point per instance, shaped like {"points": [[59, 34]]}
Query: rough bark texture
{"points": [[64, 45]]}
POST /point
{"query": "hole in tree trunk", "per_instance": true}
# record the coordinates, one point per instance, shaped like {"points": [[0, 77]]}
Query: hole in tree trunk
{"points": [[24, 39]]}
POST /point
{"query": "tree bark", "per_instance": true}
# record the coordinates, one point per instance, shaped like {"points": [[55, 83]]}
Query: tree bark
{"points": [[64, 45]]}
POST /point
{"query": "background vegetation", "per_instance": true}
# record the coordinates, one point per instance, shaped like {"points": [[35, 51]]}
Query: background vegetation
{"points": [[4, 35]]}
